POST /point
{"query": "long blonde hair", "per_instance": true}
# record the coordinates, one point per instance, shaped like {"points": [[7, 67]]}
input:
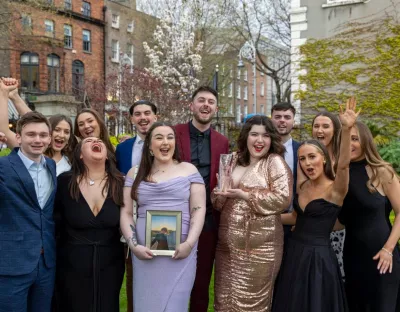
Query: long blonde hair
{"points": [[373, 158]]}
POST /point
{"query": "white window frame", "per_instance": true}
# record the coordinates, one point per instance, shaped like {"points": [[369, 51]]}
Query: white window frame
{"points": [[238, 73], [130, 51], [49, 28], [262, 88], [246, 75], [245, 111], [333, 3], [89, 42], [115, 51], [245, 93], [131, 27], [115, 20], [230, 90], [238, 92], [69, 35]]}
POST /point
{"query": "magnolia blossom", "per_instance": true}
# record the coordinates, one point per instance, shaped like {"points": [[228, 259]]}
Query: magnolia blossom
{"points": [[175, 59]]}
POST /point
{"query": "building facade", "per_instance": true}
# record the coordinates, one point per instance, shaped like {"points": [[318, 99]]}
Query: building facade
{"points": [[319, 19], [56, 51]]}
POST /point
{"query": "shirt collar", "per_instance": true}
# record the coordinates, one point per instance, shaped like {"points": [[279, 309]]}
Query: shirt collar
{"points": [[194, 131], [29, 162], [288, 143], [138, 140]]}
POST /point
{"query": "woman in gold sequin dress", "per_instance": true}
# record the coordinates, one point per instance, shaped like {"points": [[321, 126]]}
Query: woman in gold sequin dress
{"points": [[249, 250]]}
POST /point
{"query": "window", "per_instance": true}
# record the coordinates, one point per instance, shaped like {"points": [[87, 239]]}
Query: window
{"points": [[115, 20], [130, 49], [223, 89], [238, 92], [26, 22], [245, 110], [53, 73], [245, 75], [245, 92], [238, 114], [262, 88], [238, 74], [68, 5], [114, 50], [78, 71], [262, 109], [262, 70], [86, 8], [49, 28], [131, 26], [231, 73], [68, 36], [86, 40], [230, 90], [30, 71]]}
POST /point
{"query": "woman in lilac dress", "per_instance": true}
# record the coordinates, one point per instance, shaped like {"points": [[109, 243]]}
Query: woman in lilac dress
{"points": [[163, 283]]}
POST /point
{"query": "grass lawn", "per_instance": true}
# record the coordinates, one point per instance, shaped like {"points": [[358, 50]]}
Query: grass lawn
{"points": [[123, 304]]}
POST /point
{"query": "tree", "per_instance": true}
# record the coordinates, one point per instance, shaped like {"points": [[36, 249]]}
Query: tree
{"points": [[265, 25], [175, 59]]}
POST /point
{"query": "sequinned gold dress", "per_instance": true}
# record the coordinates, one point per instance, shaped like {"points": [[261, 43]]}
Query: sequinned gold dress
{"points": [[250, 243]]}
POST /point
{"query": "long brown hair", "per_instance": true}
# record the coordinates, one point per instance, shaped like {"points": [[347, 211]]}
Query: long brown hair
{"points": [[328, 170], [372, 156], [69, 148], [103, 129], [147, 159], [113, 188], [276, 141], [337, 126]]}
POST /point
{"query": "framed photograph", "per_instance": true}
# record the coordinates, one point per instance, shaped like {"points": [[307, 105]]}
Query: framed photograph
{"points": [[163, 231]]}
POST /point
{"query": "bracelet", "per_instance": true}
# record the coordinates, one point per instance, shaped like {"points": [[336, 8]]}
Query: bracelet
{"points": [[189, 244], [384, 249]]}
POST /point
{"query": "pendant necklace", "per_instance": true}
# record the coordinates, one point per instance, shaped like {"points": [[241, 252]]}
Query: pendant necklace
{"points": [[91, 181]]}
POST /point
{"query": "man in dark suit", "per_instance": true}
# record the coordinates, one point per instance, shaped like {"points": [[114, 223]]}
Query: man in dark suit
{"points": [[202, 146], [129, 154], [27, 238], [282, 115]]}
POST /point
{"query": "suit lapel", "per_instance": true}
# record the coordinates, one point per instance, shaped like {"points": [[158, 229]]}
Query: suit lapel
{"points": [[23, 174], [184, 139], [129, 152], [53, 173]]}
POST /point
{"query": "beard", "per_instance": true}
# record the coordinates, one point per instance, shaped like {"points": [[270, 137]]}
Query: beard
{"points": [[202, 120], [285, 131]]}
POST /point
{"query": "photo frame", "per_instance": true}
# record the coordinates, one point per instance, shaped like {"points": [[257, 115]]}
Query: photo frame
{"points": [[163, 231]]}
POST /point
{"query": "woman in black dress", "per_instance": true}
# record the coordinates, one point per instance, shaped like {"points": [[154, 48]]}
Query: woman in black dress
{"points": [[309, 278], [90, 257], [371, 251]]}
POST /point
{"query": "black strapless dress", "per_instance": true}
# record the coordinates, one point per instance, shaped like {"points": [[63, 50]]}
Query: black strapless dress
{"points": [[310, 278], [366, 216]]}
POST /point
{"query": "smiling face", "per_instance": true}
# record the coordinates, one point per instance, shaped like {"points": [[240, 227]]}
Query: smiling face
{"points": [[258, 141], [88, 125], [357, 152], [34, 139], [143, 118], [204, 107], [93, 149], [163, 143], [323, 130], [60, 136], [283, 121], [311, 161]]}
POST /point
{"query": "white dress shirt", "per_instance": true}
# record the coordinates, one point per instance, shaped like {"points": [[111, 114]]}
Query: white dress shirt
{"points": [[137, 151]]}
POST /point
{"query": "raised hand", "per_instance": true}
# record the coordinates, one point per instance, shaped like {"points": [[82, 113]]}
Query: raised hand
{"points": [[349, 117], [7, 85]]}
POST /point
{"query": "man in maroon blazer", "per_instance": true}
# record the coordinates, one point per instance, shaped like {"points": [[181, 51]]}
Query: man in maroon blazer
{"points": [[201, 145]]}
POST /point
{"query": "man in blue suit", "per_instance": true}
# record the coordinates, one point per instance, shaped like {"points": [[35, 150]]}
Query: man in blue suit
{"points": [[129, 154], [27, 241], [282, 115]]}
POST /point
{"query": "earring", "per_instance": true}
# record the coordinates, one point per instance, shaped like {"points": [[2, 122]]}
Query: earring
{"points": [[324, 162], [151, 153]]}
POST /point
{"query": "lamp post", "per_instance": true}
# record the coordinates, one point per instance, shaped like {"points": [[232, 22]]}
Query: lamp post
{"points": [[124, 60], [248, 51]]}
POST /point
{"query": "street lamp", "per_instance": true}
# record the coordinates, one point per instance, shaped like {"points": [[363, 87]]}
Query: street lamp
{"points": [[248, 51], [124, 60]]}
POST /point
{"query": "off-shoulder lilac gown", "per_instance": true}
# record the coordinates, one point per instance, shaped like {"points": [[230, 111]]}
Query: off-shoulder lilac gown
{"points": [[164, 284]]}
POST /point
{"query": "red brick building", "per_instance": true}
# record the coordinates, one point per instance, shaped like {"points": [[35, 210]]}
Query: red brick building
{"points": [[56, 50]]}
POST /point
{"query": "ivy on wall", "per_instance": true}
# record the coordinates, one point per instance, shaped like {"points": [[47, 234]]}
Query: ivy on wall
{"points": [[363, 60]]}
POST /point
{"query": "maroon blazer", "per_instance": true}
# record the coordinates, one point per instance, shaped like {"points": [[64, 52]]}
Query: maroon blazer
{"points": [[219, 145]]}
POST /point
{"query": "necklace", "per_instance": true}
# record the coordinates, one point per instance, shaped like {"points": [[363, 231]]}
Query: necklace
{"points": [[91, 181]]}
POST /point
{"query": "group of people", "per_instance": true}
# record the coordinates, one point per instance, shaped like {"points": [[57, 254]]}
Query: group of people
{"points": [[276, 235]]}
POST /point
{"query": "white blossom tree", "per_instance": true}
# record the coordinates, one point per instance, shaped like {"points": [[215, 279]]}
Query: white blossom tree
{"points": [[175, 58]]}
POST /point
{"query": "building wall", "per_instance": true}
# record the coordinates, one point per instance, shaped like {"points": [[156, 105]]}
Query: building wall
{"points": [[37, 41]]}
